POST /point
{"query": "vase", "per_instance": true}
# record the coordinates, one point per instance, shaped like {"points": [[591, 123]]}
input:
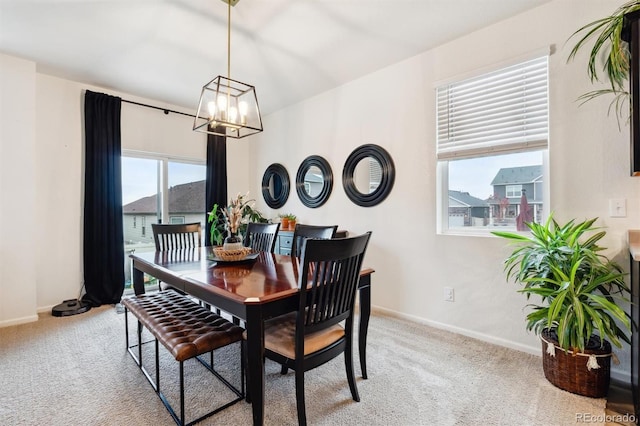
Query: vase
{"points": [[232, 242]]}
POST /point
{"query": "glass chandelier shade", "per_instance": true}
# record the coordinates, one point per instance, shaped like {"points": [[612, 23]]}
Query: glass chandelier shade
{"points": [[228, 107]]}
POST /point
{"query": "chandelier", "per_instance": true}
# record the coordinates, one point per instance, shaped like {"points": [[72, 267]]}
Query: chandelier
{"points": [[228, 107]]}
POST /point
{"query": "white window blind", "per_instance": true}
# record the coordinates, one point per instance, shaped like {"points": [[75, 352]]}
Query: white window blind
{"points": [[375, 174], [502, 111]]}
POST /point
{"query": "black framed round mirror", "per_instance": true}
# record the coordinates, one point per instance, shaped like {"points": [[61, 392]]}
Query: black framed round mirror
{"points": [[368, 175], [314, 181], [275, 186]]}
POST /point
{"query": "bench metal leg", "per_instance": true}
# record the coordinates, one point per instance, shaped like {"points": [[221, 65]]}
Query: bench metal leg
{"points": [[137, 357], [182, 392], [155, 384], [180, 420]]}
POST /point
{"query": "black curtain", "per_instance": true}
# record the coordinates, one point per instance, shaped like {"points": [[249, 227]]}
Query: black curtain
{"points": [[216, 186], [103, 236]]}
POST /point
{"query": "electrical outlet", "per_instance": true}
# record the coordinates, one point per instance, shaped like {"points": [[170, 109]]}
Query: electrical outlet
{"points": [[448, 294]]}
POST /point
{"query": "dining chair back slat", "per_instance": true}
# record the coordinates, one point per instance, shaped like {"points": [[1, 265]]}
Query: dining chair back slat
{"points": [[302, 232], [261, 236], [334, 271], [177, 236]]}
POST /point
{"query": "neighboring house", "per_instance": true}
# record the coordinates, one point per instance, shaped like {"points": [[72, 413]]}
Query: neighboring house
{"points": [[467, 210], [508, 186], [186, 204]]}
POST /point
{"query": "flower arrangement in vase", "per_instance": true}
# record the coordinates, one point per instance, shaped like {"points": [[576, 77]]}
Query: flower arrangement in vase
{"points": [[232, 221]]}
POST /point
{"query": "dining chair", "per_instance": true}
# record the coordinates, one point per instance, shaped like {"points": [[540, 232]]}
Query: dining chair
{"points": [[313, 335], [302, 232], [261, 236], [176, 236]]}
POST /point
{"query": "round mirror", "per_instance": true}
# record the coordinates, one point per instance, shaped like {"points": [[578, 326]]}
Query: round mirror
{"points": [[368, 175], [314, 181], [275, 186]]}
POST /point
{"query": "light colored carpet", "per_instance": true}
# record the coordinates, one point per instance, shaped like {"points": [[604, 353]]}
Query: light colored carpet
{"points": [[76, 371]]}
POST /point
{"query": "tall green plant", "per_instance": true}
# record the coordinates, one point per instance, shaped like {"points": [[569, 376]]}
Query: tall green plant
{"points": [[579, 288]]}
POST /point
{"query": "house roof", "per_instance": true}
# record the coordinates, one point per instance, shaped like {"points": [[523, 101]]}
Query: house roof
{"points": [[465, 199], [517, 175], [184, 198]]}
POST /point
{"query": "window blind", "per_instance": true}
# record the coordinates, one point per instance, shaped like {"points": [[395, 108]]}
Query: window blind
{"points": [[375, 174], [502, 111]]}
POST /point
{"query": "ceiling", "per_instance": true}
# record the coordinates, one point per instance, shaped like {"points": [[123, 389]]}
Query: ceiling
{"points": [[289, 50]]}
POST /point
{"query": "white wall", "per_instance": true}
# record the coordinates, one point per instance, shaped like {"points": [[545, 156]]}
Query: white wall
{"points": [[18, 176], [394, 108], [42, 175]]}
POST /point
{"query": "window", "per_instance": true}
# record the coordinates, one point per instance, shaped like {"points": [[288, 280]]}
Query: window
{"points": [[492, 139], [176, 220], [514, 191], [158, 189]]}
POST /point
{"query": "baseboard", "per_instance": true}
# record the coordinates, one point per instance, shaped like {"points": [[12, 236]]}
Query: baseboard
{"points": [[44, 309], [30, 318], [533, 350], [18, 321]]}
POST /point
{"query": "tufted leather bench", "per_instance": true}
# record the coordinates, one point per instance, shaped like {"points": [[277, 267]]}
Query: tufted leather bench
{"points": [[186, 330]]}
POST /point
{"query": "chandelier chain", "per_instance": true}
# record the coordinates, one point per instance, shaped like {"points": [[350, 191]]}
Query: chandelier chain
{"points": [[229, 41]]}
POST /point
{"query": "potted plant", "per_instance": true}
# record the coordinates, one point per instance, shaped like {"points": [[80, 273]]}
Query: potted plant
{"points": [[576, 292], [292, 220], [609, 43], [284, 221], [232, 219]]}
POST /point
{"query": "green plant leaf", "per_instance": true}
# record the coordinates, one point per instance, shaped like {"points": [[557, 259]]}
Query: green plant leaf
{"points": [[606, 34]]}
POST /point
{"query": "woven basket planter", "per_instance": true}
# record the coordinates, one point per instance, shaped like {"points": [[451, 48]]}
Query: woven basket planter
{"points": [[585, 374]]}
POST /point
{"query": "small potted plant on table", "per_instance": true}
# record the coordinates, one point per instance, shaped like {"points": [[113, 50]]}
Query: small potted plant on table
{"points": [[292, 220], [576, 312], [284, 221]]}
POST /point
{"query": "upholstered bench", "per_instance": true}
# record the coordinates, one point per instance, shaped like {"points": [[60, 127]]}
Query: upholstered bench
{"points": [[187, 330]]}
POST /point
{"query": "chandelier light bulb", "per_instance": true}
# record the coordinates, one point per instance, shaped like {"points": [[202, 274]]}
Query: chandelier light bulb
{"points": [[222, 102], [211, 106], [222, 106], [233, 114], [243, 107]]}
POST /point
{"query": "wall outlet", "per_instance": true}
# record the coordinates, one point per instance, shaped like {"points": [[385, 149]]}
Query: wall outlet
{"points": [[448, 294]]}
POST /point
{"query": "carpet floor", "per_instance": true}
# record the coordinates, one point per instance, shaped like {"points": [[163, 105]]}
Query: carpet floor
{"points": [[76, 371]]}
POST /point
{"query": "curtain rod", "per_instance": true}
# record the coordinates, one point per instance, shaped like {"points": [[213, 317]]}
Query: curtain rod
{"points": [[166, 111]]}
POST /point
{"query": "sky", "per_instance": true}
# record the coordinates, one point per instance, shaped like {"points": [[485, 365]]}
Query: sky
{"points": [[139, 176]]}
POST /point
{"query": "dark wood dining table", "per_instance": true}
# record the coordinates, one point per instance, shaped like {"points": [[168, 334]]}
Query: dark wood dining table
{"points": [[253, 291]]}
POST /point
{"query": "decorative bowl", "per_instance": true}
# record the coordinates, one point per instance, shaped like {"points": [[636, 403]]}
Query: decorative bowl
{"points": [[231, 255]]}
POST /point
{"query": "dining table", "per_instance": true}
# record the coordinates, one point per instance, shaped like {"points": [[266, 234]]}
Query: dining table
{"points": [[261, 286]]}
